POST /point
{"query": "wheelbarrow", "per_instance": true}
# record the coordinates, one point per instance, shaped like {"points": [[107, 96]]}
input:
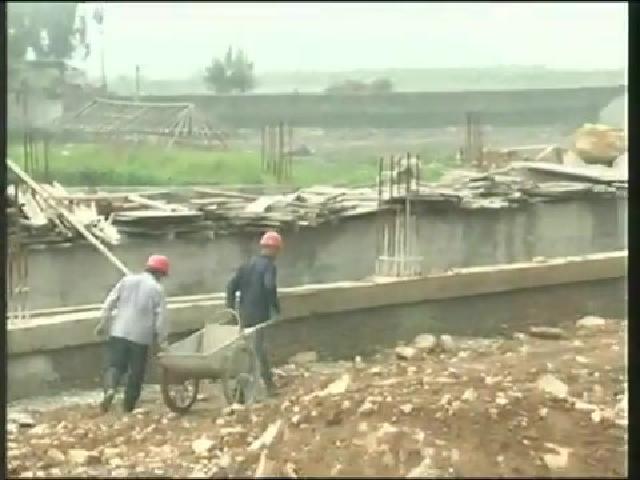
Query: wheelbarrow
{"points": [[220, 352]]}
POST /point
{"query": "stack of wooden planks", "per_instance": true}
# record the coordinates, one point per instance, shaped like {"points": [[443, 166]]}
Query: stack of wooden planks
{"points": [[230, 211]]}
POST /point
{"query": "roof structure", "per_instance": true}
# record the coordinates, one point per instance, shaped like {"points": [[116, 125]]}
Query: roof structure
{"points": [[117, 118]]}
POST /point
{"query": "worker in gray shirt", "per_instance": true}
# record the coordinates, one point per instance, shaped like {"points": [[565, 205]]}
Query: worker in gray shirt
{"points": [[138, 302]]}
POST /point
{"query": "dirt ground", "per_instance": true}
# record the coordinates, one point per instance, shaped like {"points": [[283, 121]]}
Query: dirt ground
{"points": [[520, 406]]}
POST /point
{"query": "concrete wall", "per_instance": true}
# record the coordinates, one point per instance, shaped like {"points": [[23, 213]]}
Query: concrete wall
{"points": [[481, 315], [345, 251], [450, 305], [571, 106], [614, 113]]}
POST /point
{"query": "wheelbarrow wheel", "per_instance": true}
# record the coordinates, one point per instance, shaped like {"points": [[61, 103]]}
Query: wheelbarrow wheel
{"points": [[239, 375], [179, 395]]}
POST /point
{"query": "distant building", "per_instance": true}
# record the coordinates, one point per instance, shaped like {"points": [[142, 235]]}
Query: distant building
{"points": [[41, 90]]}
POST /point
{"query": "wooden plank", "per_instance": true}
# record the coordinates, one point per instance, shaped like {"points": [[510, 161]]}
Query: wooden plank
{"points": [[156, 204], [68, 216], [223, 193]]}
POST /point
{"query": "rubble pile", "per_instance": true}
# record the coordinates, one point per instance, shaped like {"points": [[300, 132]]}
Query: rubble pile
{"points": [[439, 406]]}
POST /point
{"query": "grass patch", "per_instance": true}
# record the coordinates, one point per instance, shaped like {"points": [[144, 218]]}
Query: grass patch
{"points": [[103, 165]]}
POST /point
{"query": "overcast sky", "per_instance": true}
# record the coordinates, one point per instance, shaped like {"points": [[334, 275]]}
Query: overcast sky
{"points": [[173, 40]]}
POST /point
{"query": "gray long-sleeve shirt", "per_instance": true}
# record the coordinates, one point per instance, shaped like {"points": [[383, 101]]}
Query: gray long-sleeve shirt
{"points": [[140, 310]]}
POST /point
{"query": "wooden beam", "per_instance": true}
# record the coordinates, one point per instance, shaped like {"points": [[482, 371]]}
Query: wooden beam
{"points": [[68, 216]]}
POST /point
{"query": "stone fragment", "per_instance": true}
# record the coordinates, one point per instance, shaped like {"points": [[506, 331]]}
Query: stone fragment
{"points": [[407, 408], [291, 470], [558, 460], [202, 446], [469, 395], [22, 420], [446, 343], [265, 466], [367, 408], [455, 455], [267, 437], [547, 333], [425, 468], [82, 457], [551, 385], [303, 358], [405, 353], [56, 455], [591, 321], [425, 342], [584, 406]]}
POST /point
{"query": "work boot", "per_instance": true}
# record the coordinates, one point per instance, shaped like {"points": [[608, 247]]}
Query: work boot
{"points": [[109, 395]]}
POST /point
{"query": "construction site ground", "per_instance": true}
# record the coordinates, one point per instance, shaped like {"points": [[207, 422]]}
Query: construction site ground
{"points": [[517, 406]]}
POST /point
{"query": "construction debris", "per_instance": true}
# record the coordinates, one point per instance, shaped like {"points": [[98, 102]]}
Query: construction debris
{"points": [[394, 419], [547, 332], [599, 144], [591, 322], [108, 216], [60, 215]]}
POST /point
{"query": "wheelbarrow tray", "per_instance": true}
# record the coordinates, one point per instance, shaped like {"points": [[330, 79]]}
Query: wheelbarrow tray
{"points": [[204, 354]]}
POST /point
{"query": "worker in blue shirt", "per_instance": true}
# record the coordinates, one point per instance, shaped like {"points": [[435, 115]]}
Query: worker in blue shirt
{"points": [[256, 283]]}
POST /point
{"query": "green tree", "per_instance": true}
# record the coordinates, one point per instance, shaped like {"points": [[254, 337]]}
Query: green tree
{"points": [[28, 21], [231, 73]]}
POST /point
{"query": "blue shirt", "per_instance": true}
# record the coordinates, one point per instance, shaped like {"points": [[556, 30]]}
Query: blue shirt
{"points": [[257, 284]]}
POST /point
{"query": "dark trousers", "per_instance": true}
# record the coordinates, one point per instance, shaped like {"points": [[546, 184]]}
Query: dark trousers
{"points": [[125, 356], [264, 367]]}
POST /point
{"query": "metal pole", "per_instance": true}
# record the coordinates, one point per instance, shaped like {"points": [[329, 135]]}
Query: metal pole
{"points": [[391, 165], [380, 170], [262, 139], [418, 168], [281, 160], [290, 159], [137, 82]]}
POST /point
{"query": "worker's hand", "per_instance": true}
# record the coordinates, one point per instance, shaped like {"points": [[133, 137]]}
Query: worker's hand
{"points": [[100, 330], [161, 347]]}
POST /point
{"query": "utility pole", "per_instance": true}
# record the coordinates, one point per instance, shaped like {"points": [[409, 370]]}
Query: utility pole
{"points": [[98, 16], [137, 83]]}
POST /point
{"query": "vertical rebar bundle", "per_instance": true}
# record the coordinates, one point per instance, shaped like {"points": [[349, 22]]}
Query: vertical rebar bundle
{"points": [[276, 152], [17, 285], [398, 235], [473, 151]]}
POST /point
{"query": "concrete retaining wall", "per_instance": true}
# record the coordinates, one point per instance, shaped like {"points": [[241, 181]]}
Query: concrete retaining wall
{"points": [[346, 251], [572, 106], [340, 321]]}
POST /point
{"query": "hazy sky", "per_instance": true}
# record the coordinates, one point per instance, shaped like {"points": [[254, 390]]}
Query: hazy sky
{"points": [[173, 40]]}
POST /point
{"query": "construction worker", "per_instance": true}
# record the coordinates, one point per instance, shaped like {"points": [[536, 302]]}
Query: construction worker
{"points": [[256, 283], [140, 322]]}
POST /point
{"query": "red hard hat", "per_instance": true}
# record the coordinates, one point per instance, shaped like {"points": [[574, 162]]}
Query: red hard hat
{"points": [[159, 263], [271, 239]]}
